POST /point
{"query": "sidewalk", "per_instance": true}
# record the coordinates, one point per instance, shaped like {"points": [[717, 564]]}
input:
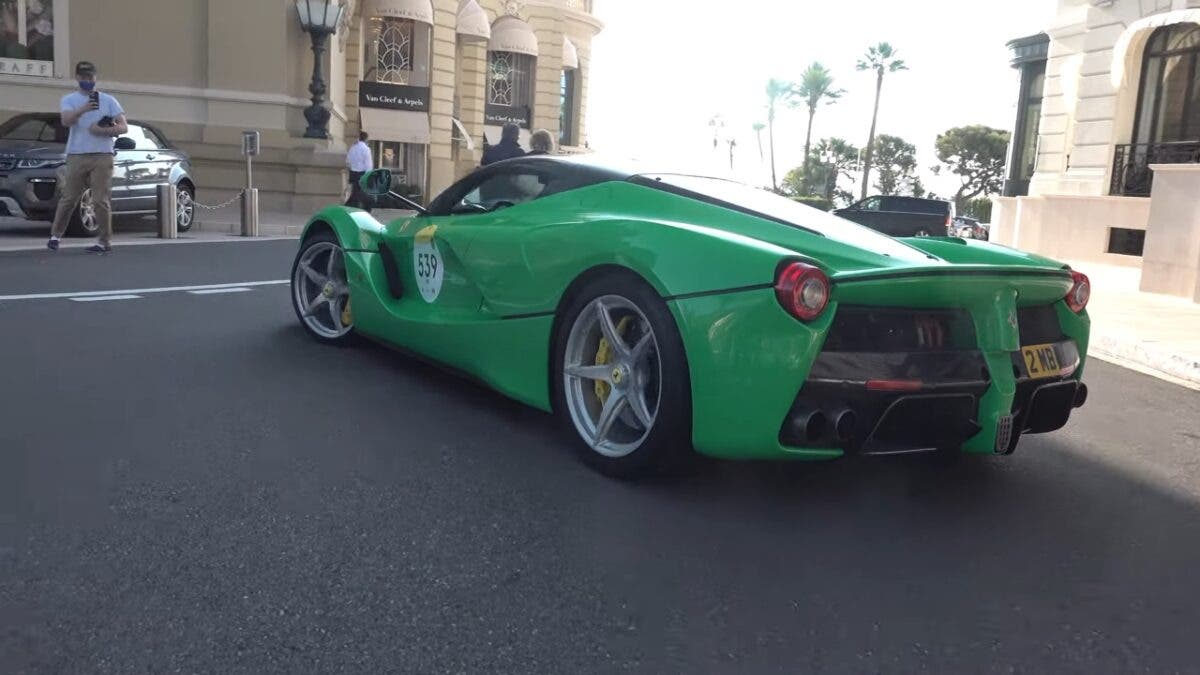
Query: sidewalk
{"points": [[270, 223], [1151, 333]]}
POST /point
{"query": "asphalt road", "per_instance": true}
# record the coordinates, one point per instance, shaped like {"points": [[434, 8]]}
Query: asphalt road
{"points": [[189, 483]]}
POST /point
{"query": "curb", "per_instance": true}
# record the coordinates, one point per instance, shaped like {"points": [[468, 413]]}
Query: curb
{"points": [[234, 229], [1181, 370]]}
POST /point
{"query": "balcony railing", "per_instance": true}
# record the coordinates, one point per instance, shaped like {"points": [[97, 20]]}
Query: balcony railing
{"points": [[1132, 176]]}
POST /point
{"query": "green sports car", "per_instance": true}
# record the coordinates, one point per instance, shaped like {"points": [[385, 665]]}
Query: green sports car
{"points": [[659, 315]]}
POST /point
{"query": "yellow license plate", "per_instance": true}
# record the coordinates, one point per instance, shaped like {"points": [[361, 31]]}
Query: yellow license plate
{"points": [[1041, 361]]}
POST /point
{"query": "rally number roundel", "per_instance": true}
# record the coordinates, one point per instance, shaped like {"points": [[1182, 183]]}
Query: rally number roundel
{"points": [[427, 264]]}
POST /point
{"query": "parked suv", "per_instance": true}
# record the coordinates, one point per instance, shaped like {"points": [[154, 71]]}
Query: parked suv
{"points": [[902, 216], [33, 156]]}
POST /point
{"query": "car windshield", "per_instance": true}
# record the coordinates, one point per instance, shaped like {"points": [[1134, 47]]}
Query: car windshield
{"points": [[46, 130], [783, 209]]}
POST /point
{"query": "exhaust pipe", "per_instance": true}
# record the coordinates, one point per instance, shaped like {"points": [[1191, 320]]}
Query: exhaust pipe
{"points": [[809, 425], [843, 425], [1081, 394]]}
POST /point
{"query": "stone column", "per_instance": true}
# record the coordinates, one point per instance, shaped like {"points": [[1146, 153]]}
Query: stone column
{"points": [[441, 110], [1171, 257], [472, 83]]}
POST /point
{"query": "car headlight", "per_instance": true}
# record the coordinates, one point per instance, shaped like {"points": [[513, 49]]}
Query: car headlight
{"points": [[40, 163]]}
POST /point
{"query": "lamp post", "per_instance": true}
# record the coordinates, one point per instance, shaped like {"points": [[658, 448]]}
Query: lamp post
{"points": [[320, 19]]}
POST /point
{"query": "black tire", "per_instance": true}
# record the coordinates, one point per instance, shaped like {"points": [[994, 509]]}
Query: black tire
{"points": [[319, 238], [182, 223], [667, 448]]}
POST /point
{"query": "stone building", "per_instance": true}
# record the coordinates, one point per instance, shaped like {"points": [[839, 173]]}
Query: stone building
{"points": [[429, 80], [1105, 160]]}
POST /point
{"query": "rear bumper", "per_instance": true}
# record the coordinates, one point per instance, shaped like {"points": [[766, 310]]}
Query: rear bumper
{"points": [[869, 403]]}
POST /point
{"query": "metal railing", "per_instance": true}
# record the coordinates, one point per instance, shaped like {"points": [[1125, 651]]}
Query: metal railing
{"points": [[1132, 176]]}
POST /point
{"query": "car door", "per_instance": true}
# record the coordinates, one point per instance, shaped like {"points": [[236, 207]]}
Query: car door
{"points": [[865, 212], [145, 167], [895, 218], [444, 292]]}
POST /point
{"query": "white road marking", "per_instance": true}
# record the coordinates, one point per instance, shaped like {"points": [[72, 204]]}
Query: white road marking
{"points": [[98, 298], [133, 291], [214, 291]]}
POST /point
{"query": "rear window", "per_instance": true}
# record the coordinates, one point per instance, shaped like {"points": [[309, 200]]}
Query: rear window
{"points": [[914, 205]]}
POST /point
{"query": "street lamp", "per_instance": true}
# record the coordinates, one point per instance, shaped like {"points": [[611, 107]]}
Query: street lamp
{"points": [[320, 19]]}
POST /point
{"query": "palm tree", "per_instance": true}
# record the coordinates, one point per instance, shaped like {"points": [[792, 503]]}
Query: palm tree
{"points": [[880, 58], [778, 91], [758, 127], [815, 85]]}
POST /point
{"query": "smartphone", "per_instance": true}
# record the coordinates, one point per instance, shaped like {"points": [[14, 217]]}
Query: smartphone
{"points": [[94, 97]]}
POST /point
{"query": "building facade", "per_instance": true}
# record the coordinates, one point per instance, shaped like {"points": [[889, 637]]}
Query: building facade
{"points": [[1105, 161], [431, 81]]}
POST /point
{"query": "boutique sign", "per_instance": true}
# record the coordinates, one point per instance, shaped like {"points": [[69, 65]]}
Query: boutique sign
{"points": [[499, 115], [393, 96]]}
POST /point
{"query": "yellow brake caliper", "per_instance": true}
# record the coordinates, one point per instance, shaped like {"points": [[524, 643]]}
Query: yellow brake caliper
{"points": [[347, 317], [603, 354]]}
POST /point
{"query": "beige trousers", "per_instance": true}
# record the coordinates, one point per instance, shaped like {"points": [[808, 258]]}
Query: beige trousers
{"points": [[93, 172]]}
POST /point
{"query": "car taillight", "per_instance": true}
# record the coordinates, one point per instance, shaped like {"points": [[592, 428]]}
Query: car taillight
{"points": [[1080, 293], [802, 289], [950, 225]]}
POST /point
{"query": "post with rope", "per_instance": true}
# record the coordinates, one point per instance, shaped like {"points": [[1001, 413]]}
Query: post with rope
{"points": [[250, 148]]}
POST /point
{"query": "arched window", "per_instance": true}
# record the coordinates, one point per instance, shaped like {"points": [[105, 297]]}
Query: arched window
{"points": [[1169, 100]]}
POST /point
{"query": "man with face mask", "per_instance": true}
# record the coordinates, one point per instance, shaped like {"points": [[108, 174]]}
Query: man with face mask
{"points": [[95, 120]]}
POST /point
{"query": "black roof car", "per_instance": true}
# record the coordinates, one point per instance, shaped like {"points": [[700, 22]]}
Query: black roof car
{"points": [[902, 216]]}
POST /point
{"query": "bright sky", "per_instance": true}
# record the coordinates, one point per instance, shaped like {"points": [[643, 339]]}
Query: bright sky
{"points": [[662, 68]]}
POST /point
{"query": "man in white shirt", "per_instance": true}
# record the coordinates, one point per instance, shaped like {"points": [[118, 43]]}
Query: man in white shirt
{"points": [[359, 161], [95, 119]]}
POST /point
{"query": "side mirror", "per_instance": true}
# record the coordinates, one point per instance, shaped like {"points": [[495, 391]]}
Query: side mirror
{"points": [[377, 182], [125, 143]]}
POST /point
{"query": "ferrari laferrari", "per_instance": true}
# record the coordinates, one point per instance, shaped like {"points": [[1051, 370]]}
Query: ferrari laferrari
{"points": [[659, 315]]}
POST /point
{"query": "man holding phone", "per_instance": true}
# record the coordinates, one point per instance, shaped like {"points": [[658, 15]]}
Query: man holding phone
{"points": [[95, 120]]}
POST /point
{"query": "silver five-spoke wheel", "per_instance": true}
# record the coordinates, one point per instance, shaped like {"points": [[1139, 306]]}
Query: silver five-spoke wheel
{"points": [[185, 209], [87, 213], [320, 291], [612, 375]]}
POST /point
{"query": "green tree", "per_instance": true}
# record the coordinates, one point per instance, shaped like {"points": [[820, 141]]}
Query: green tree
{"points": [[975, 154], [830, 160], [896, 160], [816, 85], [779, 92], [880, 58], [839, 159]]}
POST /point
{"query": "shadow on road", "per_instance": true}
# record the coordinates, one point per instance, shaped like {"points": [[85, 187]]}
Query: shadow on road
{"points": [[262, 501]]}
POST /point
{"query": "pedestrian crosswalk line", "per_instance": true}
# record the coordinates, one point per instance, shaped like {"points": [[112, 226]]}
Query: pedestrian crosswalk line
{"points": [[98, 298], [140, 291], [215, 291]]}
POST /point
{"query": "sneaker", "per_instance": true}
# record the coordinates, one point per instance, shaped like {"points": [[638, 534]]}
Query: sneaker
{"points": [[52, 244], [97, 248]]}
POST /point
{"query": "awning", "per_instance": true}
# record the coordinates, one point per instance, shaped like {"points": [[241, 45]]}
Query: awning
{"points": [[1144, 27], [462, 134], [473, 21], [493, 135], [417, 10], [570, 55], [402, 126], [510, 34]]}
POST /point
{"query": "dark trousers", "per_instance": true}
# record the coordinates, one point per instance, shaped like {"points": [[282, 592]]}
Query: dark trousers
{"points": [[358, 198]]}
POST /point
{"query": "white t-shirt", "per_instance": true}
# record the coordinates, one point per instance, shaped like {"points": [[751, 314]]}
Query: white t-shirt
{"points": [[359, 157], [82, 140]]}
